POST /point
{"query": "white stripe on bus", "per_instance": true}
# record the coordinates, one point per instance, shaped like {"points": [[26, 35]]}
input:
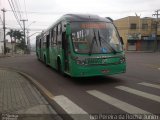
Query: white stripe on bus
{"points": [[139, 93], [150, 85], [117, 103]]}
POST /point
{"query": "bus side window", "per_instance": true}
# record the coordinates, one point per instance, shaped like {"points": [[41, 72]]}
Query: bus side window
{"points": [[52, 37], [44, 41], [59, 34], [47, 41], [39, 44], [55, 36]]}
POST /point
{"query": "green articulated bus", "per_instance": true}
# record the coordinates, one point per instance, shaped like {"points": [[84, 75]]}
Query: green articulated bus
{"points": [[82, 46]]}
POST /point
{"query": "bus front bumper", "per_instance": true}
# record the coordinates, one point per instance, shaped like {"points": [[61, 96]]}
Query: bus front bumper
{"points": [[97, 70]]}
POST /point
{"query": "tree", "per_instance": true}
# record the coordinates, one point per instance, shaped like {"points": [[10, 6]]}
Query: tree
{"points": [[18, 37], [10, 33]]}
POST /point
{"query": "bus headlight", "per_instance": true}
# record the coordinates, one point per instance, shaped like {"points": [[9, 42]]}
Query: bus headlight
{"points": [[122, 60], [81, 62]]}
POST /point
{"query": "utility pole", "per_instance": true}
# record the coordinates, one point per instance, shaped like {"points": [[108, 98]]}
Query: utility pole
{"points": [[24, 29], [28, 42], [28, 38], [4, 30], [156, 40]]}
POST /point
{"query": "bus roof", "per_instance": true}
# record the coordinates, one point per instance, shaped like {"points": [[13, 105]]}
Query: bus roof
{"points": [[78, 18], [84, 17]]}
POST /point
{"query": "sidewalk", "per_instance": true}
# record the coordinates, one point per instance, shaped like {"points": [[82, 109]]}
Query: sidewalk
{"points": [[21, 100], [12, 55]]}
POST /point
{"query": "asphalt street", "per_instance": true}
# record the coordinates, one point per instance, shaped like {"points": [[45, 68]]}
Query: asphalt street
{"points": [[136, 91]]}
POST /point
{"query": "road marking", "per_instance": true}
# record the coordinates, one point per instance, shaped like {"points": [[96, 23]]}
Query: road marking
{"points": [[139, 93], [117, 103], [150, 85], [71, 108], [158, 68]]}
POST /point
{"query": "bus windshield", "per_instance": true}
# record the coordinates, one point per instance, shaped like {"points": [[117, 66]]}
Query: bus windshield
{"points": [[95, 37]]}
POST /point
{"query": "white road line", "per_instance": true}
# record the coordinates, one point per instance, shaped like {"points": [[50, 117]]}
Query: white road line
{"points": [[117, 103], [150, 85], [71, 108], [158, 68], [139, 93]]}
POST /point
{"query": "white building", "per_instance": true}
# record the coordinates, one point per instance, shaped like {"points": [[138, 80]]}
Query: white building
{"points": [[1, 41]]}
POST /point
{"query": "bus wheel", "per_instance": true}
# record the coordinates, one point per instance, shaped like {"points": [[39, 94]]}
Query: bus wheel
{"points": [[45, 61], [59, 66]]}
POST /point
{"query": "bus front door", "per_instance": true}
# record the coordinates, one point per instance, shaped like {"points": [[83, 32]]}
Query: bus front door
{"points": [[65, 47], [48, 49]]}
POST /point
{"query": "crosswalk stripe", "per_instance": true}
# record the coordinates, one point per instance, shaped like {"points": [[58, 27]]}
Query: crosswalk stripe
{"points": [[150, 85], [71, 108], [117, 103], [139, 93]]}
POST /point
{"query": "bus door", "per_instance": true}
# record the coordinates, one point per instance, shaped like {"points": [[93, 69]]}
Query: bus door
{"points": [[65, 47], [40, 48], [48, 48]]}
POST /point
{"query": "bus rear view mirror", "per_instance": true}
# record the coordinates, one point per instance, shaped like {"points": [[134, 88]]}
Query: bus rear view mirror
{"points": [[121, 39]]}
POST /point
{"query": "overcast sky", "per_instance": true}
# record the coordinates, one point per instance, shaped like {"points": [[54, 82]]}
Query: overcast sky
{"points": [[45, 12]]}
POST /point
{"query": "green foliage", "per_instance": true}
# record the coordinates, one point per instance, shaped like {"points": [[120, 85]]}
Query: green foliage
{"points": [[17, 36]]}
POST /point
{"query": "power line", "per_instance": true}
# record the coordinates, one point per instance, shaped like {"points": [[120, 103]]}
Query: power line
{"points": [[18, 7], [33, 29], [25, 8], [126, 11], [13, 6], [13, 10]]}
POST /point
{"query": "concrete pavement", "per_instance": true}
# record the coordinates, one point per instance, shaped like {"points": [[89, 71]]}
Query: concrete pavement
{"points": [[19, 98]]}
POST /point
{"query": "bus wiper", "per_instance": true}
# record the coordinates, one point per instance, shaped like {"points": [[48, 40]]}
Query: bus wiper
{"points": [[99, 38], [111, 48], [91, 47]]}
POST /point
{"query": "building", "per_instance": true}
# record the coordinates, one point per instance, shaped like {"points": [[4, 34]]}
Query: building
{"points": [[139, 34]]}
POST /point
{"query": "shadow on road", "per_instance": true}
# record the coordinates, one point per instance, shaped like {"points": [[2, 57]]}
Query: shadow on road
{"points": [[94, 80]]}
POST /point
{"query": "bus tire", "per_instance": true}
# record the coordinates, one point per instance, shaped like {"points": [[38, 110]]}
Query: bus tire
{"points": [[59, 67], [45, 61]]}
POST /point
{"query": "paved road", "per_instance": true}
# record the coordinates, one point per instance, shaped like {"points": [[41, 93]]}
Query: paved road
{"points": [[136, 91]]}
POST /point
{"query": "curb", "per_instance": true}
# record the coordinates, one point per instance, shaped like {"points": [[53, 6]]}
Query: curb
{"points": [[45, 93], [48, 95], [15, 55]]}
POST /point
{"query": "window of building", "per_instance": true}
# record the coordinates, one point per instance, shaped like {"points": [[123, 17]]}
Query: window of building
{"points": [[153, 26], [144, 26], [133, 26], [145, 38], [158, 28]]}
